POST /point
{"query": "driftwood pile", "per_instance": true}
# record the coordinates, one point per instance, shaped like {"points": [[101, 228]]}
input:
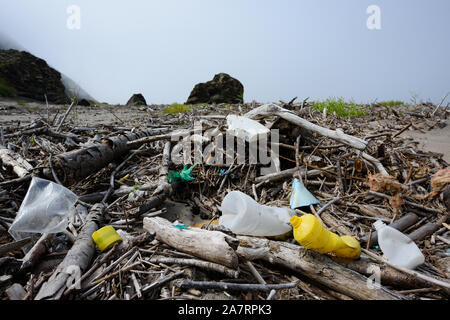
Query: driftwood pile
{"points": [[360, 169]]}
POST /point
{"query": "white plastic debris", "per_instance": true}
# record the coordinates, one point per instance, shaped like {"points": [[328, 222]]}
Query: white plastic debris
{"points": [[397, 247], [243, 215], [46, 208], [245, 128]]}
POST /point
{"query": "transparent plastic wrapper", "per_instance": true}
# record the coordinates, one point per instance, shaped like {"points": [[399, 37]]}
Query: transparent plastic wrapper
{"points": [[46, 208]]}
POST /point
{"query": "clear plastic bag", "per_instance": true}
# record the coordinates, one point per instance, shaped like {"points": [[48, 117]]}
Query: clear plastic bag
{"points": [[46, 208]]}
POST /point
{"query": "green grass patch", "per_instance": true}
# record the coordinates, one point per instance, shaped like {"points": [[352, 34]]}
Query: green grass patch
{"points": [[340, 107], [177, 108], [391, 103], [6, 90]]}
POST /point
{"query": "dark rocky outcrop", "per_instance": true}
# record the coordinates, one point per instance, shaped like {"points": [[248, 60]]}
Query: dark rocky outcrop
{"points": [[221, 89], [137, 100], [31, 77], [84, 103]]}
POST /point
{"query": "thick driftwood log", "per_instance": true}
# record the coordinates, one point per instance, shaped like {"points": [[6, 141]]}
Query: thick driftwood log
{"points": [[316, 266], [213, 246], [75, 165], [77, 259], [388, 275], [20, 166], [338, 135], [205, 285]]}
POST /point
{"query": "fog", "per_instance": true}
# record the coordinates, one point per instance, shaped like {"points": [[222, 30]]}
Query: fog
{"points": [[277, 49]]}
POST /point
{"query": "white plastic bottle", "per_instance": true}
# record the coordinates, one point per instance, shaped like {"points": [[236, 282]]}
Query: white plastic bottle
{"points": [[243, 215], [397, 247]]}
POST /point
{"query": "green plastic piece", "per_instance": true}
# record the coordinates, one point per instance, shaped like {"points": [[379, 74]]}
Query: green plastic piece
{"points": [[183, 175]]}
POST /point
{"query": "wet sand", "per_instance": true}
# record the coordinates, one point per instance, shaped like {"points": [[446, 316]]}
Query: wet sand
{"points": [[436, 140]]}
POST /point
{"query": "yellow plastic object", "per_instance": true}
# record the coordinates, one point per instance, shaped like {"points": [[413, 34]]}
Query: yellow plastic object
{"points": [[106, 237], [310, 233]]}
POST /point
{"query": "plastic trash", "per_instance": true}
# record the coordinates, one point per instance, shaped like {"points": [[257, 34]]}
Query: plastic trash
{"points": [[301, 197], [184, 175], [397, 247], [245, 128], [46, 208], [243, 215], [106, 237], [311, 234]]}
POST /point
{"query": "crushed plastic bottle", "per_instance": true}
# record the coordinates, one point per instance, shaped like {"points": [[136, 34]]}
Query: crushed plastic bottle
{"points": [[397, 247], [243, 215], [311, 234]]}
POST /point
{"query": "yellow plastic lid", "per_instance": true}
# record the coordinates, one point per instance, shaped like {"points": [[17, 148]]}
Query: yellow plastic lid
{"points": [[106, 237]]}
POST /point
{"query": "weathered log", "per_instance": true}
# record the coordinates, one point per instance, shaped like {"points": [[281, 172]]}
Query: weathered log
{"points": [[426, 230], [77, 259], [338, 135], [388, 275], [316, 266], [213, 246], [197, 263], [75, 165], [236, 286], [20, 166]]}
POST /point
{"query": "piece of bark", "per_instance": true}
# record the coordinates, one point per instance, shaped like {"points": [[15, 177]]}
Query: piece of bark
{"points": [[213, 246], [20, 166], [316, 266], [338, 135], [78, 257]]}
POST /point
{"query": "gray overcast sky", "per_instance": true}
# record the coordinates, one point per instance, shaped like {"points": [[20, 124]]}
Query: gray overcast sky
{"points": [[277, 49]]}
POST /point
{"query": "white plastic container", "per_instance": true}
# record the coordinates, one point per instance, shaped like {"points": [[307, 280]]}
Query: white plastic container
{"points": [[245, 128], [243, 215], [397, 247]]}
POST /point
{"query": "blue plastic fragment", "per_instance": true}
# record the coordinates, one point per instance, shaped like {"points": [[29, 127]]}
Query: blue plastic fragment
{"points": [[301, 197]]}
